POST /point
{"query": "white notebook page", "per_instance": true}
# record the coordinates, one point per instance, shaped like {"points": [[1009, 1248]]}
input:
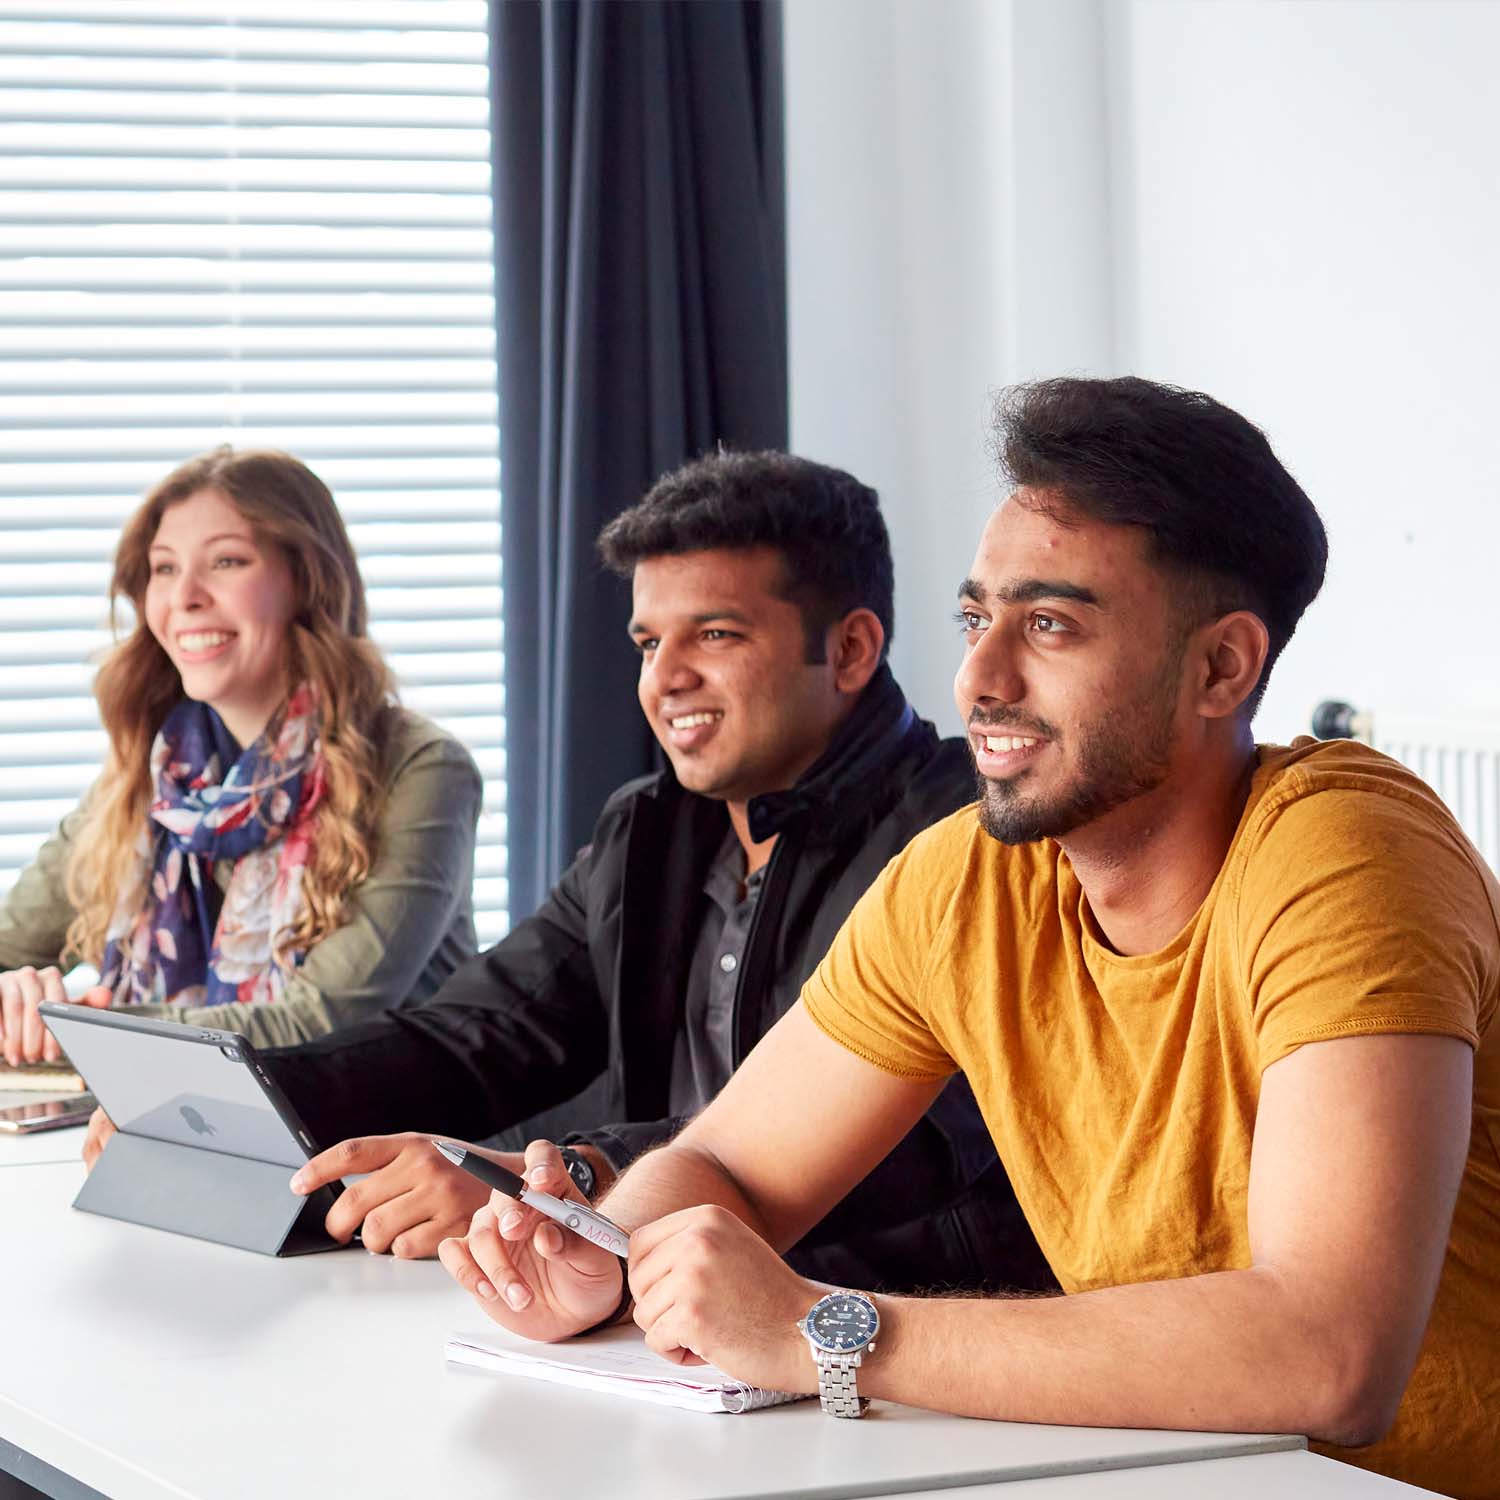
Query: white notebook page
{"points": [[615, 1361]]}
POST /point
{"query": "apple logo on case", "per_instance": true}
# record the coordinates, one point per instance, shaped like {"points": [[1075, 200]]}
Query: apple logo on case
{"points": [[196, 1122]]}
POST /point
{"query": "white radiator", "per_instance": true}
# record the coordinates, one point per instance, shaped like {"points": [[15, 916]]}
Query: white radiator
{"points": [[1462, 765]]}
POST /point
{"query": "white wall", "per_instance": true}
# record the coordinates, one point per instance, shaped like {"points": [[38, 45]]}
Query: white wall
{"points": [[1292, 205], [1309, 228], [897, 215], [917, 262]]}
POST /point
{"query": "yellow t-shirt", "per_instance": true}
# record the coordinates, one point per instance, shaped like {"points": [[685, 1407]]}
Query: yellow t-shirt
{"points": [[1121, 1092]]}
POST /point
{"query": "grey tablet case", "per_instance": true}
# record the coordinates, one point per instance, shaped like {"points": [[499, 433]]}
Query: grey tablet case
{"points": [[204, 1142]]}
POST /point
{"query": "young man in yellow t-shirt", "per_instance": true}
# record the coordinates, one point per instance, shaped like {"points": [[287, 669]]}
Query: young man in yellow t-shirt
{"points": [[1229, 1010]]}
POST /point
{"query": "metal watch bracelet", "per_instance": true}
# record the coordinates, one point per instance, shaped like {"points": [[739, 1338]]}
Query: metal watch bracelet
{"points": [[838, 1387]]}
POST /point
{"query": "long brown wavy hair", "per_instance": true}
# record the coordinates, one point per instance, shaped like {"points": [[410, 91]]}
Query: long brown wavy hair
{"points": [[288, 507]]}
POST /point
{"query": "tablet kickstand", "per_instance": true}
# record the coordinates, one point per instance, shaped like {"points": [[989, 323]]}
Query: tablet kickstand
{"points": [[230, 1200]]}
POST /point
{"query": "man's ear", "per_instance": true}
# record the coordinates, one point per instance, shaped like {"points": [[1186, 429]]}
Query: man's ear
{"points": [[1229, 654], [854, 646]]}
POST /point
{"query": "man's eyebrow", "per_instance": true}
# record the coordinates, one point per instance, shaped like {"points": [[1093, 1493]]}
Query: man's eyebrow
{"points": [[635, 627], [1028, 591]]}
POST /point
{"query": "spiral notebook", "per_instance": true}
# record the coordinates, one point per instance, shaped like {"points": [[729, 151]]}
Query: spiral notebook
{"points": [[617, 1362]]}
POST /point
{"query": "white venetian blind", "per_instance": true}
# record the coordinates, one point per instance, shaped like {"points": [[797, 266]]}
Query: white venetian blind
{"points": [[264, 223]]}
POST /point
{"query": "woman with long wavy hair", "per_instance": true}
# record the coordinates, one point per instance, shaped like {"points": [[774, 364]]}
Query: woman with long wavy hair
{"points": [[269, 826]]}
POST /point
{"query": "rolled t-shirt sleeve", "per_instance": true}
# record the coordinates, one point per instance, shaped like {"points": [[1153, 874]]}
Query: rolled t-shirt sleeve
{"points": [[867, 993], [1363, 914]]}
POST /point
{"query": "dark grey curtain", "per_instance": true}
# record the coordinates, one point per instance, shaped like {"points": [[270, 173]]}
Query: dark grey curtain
{"points": [[639, 267]]}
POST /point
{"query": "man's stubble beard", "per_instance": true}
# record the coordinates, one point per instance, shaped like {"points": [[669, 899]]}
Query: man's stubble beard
{"points": [[1120, 759]]}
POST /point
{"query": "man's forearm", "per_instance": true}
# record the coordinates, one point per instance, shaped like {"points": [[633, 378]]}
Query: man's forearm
{"points": [[673, 1177], [1233, 1351]]}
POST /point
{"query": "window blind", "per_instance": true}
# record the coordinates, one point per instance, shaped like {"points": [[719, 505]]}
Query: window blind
{"points": [[263, 223]]}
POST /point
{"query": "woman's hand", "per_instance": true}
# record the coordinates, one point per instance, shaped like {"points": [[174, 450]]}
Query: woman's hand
{"points": [[23, 1034]]}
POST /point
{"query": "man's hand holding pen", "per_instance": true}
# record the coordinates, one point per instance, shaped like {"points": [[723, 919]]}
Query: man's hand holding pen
{"points": [[529, 1273], [709, 1287]]}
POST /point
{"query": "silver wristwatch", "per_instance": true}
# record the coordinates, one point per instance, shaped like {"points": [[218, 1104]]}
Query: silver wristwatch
{"points": [[840, 1330]]}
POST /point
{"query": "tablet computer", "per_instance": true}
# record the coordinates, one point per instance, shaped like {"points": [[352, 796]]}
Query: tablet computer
{"points": [[205, 1142]]}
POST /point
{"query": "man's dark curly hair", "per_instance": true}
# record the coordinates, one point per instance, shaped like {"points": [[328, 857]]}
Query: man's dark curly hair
{"points": [[825, 524], [1222, 513]]}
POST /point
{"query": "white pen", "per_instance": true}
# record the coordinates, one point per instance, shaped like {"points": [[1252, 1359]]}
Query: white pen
{"points": [[578, 1217]]}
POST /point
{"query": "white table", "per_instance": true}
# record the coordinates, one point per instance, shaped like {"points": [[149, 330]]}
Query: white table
{"points": [[146, 1365], [1308, 1476]]}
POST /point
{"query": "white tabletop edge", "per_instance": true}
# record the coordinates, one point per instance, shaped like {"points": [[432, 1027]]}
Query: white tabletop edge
{"points": [[100, 1469], [1010, 1473]]}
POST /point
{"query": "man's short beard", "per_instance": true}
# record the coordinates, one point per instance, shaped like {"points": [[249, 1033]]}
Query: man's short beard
{"points": [[1109, 777], [1121, 758]]}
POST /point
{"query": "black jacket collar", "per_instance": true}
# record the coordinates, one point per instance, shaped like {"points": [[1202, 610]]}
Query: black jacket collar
{"points": [[882, 725], [882, 728]]}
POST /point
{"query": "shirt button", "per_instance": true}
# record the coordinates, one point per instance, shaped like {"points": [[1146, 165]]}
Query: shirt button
{"points": [[728, 963]]}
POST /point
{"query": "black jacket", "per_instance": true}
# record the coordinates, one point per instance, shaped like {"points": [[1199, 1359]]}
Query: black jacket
{"points": [[594, 983]]}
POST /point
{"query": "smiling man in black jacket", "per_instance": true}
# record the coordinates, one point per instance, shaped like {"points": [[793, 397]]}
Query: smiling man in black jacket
{"points": [[762, 610]]}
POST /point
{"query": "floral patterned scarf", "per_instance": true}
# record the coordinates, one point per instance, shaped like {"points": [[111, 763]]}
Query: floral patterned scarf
{"points": [[186, 942]]}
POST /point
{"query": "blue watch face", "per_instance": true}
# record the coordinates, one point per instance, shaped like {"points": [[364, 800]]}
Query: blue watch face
{"points": [[843, 1323]]}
